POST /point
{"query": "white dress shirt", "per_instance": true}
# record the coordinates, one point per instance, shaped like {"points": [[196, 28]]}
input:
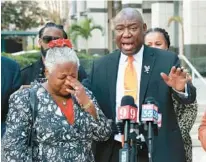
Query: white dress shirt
{"points": [[120, 78]]}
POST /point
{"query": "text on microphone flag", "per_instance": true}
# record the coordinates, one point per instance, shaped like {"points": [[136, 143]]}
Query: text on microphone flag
{"points": [[127, 113], [149, 112]]}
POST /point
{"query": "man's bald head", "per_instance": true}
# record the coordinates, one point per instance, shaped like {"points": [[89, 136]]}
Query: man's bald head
{"points": [[129, 14]]}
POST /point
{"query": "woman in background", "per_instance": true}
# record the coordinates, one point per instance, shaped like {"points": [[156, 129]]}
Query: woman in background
{"points": [[68, 116], [186, 113]]}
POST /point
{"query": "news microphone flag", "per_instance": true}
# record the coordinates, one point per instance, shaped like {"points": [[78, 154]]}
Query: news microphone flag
{"points": [[149, 113], [127, 113], [159, 121]]}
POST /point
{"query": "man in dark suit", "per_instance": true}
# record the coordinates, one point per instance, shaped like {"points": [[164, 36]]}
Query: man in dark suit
{"points": [[10, 82], [36, 70], [156, 75]]}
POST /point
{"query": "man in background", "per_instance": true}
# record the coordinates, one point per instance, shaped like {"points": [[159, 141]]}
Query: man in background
{"points": [[10, 82], [35, 71]]}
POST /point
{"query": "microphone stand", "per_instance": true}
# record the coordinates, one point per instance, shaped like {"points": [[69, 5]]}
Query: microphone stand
{"points": [[150, 145], [130, 150], [124, 153], [134, 150]]}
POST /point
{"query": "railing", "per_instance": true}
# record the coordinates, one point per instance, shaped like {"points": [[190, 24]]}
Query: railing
{"points": [[194, 71]]}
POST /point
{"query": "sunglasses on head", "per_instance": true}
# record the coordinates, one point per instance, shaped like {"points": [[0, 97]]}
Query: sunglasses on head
{"points": [[47, 39]]}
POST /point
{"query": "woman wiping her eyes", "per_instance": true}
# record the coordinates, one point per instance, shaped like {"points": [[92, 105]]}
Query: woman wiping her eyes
{"points": [[68, 116]]}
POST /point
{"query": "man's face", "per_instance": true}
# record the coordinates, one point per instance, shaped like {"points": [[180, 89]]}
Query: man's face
{"points": [[49, 34], [129, 34]]}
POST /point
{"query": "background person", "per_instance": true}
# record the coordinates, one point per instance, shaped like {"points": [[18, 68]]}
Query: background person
{"points": [[202, 132], [35, 71], [10, 82], [68, 116], [154, 74], [186, 113]]}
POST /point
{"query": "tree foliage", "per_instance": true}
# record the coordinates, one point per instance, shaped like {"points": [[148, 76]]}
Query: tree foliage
{"points": [[83, 29], [55, 9], [23, 14]]}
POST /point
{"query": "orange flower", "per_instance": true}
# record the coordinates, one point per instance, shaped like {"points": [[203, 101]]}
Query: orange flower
{"points": [[60, 43]]}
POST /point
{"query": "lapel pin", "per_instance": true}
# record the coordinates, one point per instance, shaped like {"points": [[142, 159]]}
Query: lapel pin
{"points": [[146, 69]]}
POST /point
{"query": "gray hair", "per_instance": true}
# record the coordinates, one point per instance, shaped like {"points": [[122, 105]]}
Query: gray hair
{"points": [[60, 55], [130, 13]]}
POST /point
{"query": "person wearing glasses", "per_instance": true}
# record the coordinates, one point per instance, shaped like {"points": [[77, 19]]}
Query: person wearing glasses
{"points": [[35, 71]]}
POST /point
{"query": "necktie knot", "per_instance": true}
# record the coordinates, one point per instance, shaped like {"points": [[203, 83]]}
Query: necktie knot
{"points": [[130, 59]]}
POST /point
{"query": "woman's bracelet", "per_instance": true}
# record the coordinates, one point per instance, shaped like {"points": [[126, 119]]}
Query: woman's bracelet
{"points": [[88, 105]]}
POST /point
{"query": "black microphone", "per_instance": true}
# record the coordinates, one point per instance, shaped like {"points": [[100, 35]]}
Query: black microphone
{"points": [[134, 132], [149, 116], [126, 114]]}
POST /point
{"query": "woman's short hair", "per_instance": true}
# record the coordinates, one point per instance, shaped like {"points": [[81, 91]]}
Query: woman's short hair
{"points": [[60, 55]]}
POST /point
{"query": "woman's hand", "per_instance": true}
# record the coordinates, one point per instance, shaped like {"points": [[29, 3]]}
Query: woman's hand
{"points": [[77, 90]]}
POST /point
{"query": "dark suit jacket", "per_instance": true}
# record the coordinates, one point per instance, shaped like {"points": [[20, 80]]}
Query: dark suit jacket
{"points": [[36, 71], [10, 82], [168, 145]]}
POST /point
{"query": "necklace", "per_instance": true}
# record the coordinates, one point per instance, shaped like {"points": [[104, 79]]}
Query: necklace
{"points": [[64, 103]]}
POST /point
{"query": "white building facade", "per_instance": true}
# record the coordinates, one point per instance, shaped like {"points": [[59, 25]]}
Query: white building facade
{"points": [[155, 13]]}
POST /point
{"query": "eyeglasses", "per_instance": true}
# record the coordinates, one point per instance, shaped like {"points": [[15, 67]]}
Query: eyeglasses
{"points": [[46, 39]]}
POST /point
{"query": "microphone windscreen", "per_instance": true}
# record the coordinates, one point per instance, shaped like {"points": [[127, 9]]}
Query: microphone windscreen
{"points": [[128, 100], [150, 100]]}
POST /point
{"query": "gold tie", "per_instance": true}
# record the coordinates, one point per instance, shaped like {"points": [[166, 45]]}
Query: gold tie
{"points": [[130, 79]]}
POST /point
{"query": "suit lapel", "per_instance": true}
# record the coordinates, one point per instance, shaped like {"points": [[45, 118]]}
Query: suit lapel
{"points": [[147, 67], [112, 71]]}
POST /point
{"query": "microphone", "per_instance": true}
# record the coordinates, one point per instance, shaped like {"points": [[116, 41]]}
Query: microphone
{"points": [[149, 111], [126, 114], [127, 110], [149, 116]]}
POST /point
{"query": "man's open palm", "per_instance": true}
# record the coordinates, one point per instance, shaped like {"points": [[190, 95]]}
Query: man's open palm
{"points": [[176, 78]]}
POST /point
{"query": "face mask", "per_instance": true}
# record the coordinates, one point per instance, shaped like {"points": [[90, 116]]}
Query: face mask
{"points": [[43, 51]]}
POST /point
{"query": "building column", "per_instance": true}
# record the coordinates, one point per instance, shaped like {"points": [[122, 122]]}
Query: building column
{"points": [[81, 9], [194, 28], [161, 12], [81, 15], [147, 13], [98, 12], [73, 10], [72, 18], [133, 4]]}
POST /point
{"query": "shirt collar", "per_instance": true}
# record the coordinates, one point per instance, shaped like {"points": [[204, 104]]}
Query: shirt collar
{"points": [[137, 56]]}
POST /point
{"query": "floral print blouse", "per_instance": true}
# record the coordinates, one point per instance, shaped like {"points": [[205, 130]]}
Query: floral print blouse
{"points": [[54, 140]]}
